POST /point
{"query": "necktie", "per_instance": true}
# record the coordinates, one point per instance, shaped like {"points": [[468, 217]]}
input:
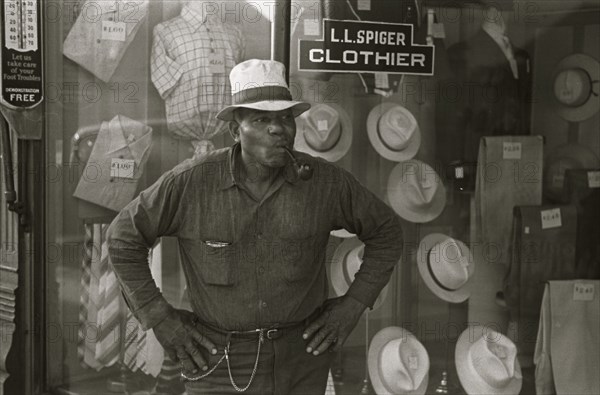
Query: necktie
{"points": [[508, 51], [84, 292], [91, 325]]}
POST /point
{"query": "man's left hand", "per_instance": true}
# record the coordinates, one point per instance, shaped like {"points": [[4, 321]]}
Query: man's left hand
{"points": [[333, 325]]}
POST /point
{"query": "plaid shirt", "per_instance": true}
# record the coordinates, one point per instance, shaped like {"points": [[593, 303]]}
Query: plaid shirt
{"points": [[250, 263], [182, 75]]}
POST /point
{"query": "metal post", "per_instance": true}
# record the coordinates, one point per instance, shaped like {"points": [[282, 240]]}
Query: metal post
{"points": [[280, 34]]}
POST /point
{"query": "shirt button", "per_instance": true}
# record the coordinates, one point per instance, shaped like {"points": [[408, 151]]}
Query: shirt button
{"points": [[264, 305], [259, 236], [261, 270]]}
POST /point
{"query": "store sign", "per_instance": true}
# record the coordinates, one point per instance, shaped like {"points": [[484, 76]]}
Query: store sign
{"points": [[366, 47], [21, 85]]}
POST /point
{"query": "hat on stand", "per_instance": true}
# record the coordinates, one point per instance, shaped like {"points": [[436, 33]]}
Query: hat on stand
{"points": [[325, 131], [486, 362], [445, 265], [416, 192], [393, 132], [576, 87], [345, 263], [398, 363]]}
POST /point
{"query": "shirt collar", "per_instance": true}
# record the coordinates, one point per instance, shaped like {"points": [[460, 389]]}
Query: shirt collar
{"points": [[231, 171], [196, 19]]}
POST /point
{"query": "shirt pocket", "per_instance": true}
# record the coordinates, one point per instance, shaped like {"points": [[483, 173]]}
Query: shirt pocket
{"points": [[217, 266], [299, 258]]}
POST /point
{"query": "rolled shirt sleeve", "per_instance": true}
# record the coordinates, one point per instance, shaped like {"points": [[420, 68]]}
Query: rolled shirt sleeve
{"points": [[130, 236], [164, 71], [379, 228]]}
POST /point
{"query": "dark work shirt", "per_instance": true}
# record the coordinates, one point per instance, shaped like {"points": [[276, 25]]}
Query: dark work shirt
{"points": [[251, 262]]}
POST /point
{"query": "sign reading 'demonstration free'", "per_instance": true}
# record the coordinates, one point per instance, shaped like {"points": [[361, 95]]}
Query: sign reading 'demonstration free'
{"points": [[366, 47], [21, 82]]}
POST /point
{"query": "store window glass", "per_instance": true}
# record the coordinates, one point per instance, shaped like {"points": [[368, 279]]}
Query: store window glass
{"points": [[476, 122]]}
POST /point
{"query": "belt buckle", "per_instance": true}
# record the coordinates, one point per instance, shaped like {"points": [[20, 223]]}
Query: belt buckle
{"points": [[272, 332]]}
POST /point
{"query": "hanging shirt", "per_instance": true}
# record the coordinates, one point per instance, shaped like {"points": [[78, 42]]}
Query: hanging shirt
{"points": [[192, 56], [251, 263]]}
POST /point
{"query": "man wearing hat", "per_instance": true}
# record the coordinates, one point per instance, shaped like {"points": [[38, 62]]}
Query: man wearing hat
{"points": [[252, 223]]}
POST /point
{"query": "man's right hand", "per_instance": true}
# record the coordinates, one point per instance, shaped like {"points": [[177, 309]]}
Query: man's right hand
{"points": [[182, 341]]}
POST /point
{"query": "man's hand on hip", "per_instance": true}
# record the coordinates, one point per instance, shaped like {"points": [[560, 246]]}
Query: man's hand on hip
{"points": [[333, 325], [182, 341]]}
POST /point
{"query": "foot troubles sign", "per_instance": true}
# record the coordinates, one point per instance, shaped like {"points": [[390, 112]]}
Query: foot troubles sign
{"points": [[366, 47]]}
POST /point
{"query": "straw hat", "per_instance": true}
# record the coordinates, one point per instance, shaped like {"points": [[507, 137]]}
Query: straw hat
{"points": [[398, 363], [260, 85], [393, 132], [576, 87], [325, 131], [486, 362], [416, 192], [446, 265], [346, 261]]}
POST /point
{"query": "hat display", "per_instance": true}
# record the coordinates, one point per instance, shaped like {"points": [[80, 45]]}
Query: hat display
{"points": [[346, 261], [565, 157], [416, 192], [393, 132], [576, 87], [260, 85], [486, 362], [398, 363], [445, 265], [325, 130]]}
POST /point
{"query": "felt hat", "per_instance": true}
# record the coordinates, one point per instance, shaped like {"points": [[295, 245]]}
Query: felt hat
{"points": [[445, 265], [393, 132], [398, 363], [416, 192], [325, 131], [576, 87], [345, 263], [565, 157], [486, 362], [260, 85]]}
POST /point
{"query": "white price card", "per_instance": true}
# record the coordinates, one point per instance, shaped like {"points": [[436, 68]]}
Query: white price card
{"points": [[593, 179], [116, 31], [322, 125], [511, 150], [459, 173], [311, 27], [122, 168], [216, 63], [583, 291], [382, 81], [364, 5], [558, 180], [551, 218]]}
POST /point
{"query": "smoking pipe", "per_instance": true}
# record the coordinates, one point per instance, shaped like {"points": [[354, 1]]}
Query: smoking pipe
{"points": [[304, 170]]}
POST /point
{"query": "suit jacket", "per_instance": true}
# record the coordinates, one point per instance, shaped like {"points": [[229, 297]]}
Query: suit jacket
{"points": [[483, 97]]}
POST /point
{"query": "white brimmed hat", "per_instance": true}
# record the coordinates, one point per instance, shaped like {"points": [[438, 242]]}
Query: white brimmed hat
{"points": [[345, 263], [325, 130], [398, 363], [416, 192], [486, 362], [445, 265], [576, 87], [393, 132], [260, 85]]}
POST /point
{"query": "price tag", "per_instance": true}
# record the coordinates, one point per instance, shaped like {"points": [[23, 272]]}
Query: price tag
{"points": [[322, 125], [551, 218], [382, 81], [438, 30], [413, 362], [116, 31], [511, 150], [122, 168], [364, 5], [311, 27], [459, 173], [593, 179], [216, 63], [426, 182], [526, 230], [131, 138], [582, 291]]}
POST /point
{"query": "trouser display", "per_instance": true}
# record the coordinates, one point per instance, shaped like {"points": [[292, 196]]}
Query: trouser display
{"points": [[283, 365]]}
